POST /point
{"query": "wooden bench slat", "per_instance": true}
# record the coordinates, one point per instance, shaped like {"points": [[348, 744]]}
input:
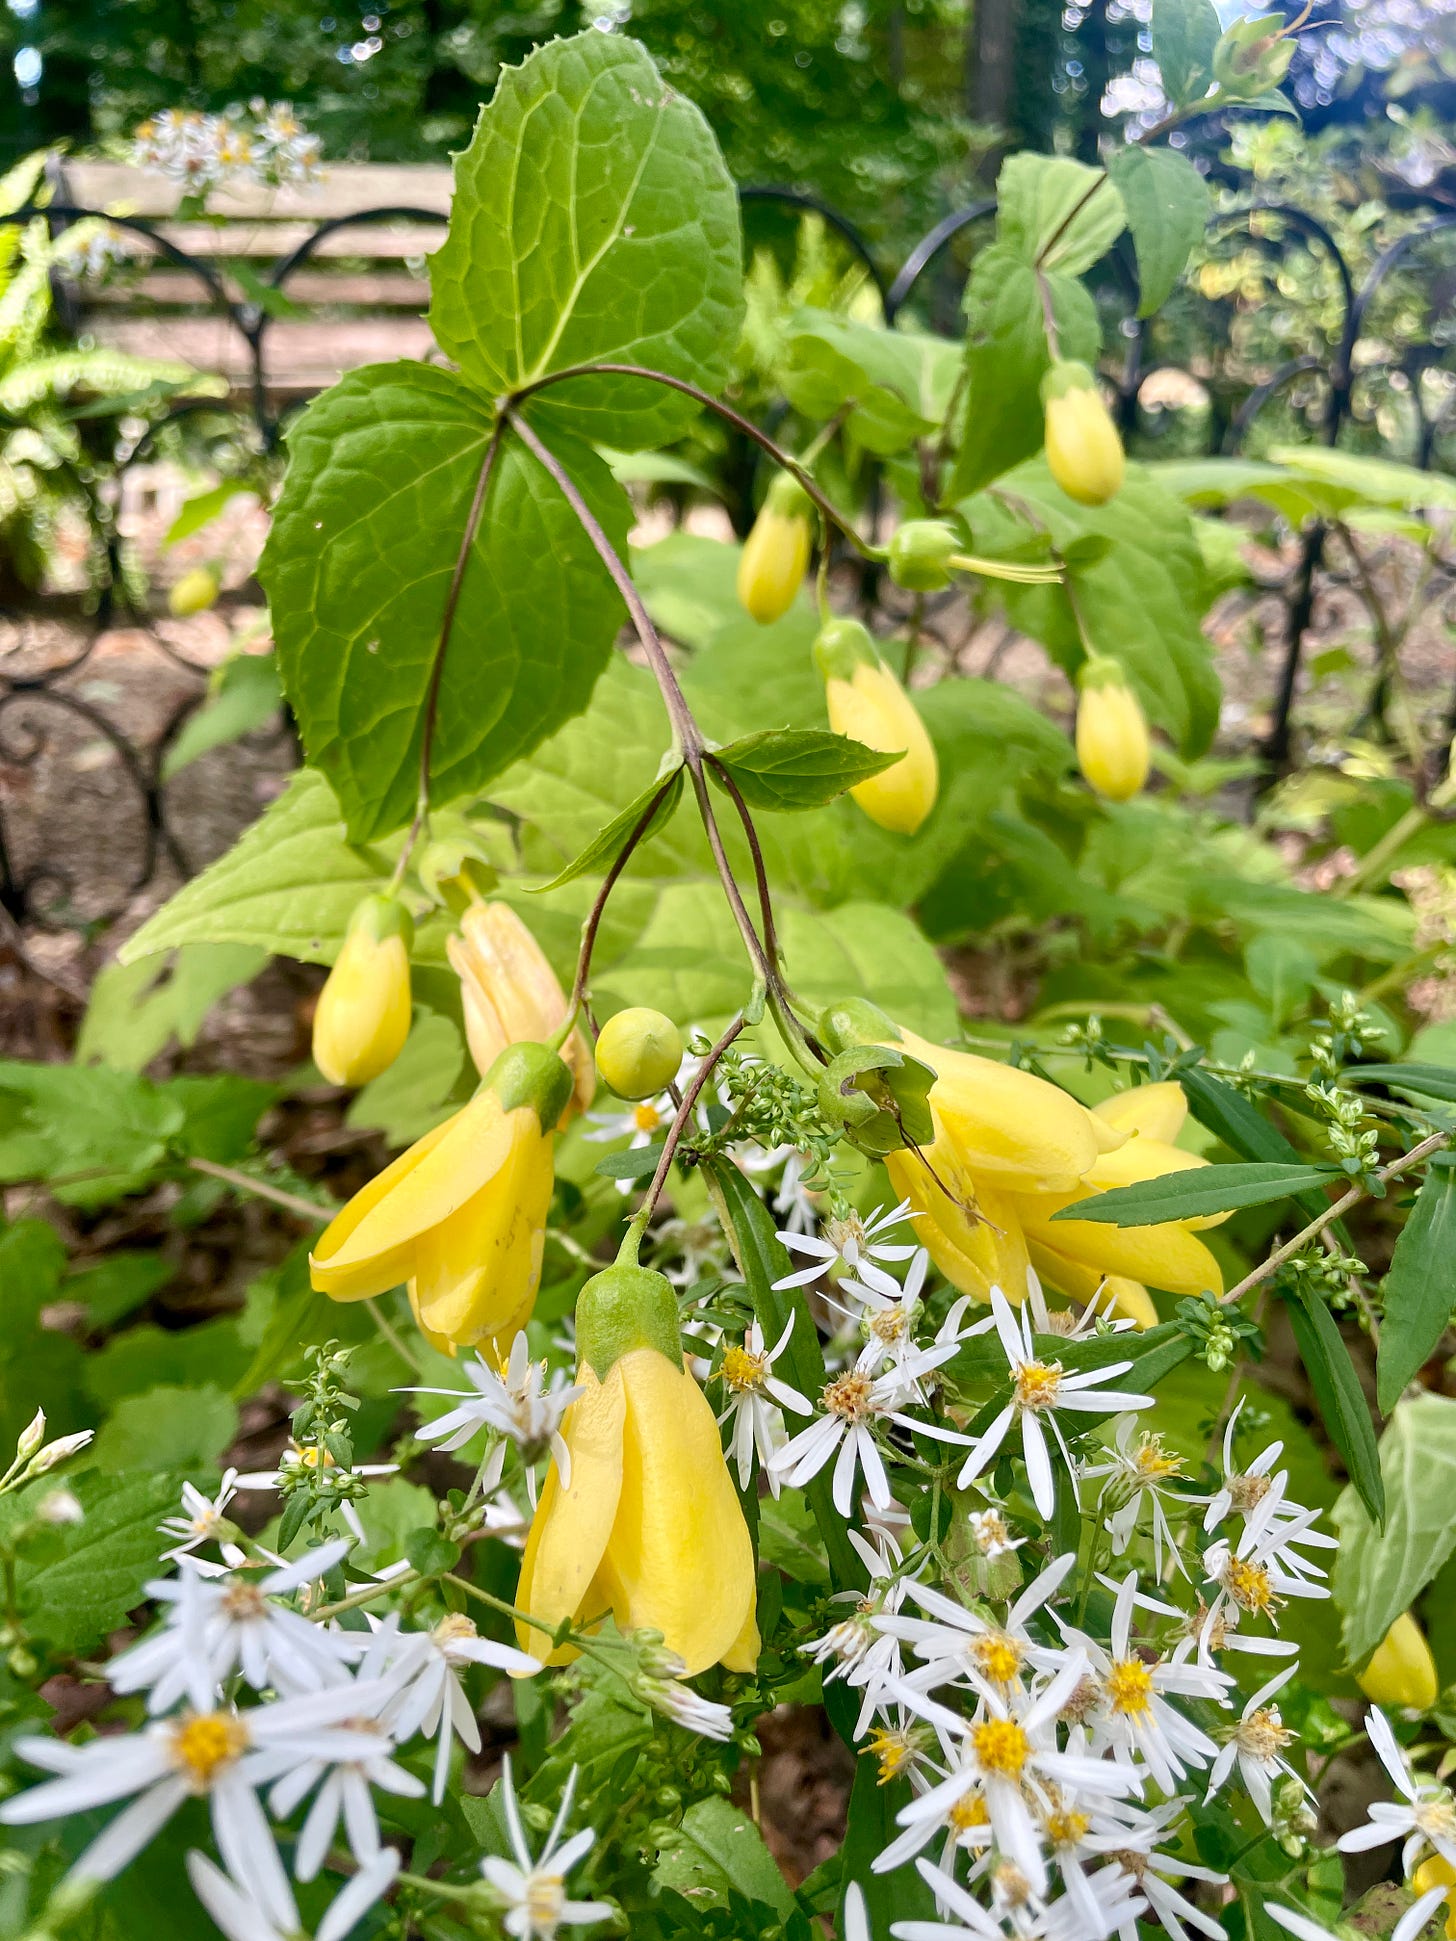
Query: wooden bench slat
{"points": [[369, 242], [344, 189], [297, 355], [179, 290]]}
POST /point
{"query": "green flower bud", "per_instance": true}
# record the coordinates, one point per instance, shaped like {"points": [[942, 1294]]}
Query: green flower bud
{"points": [[920, 553], [639, 1052], [624, 1308], [1253, 56]]}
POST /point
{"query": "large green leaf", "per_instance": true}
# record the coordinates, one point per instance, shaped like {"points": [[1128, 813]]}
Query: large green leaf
{"points": [[717, 1848], [1055, 213], [593, 221], [893, 386], [92, 1132], [381, 526], [1185, 33], [1354, 478], [1138, 595], [1420, 1289], [1197, 1192], [138, 1008], [798, 768], [1379, 1573], [78, 1582], [1166, 200], [1007, 358]]}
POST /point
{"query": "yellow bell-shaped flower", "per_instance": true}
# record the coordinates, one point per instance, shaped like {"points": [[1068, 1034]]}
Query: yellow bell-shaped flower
{"points": [[1438, 1872], [776, 552], [1114, 751], [461, 1216], [511, 995], [1085, 1257], [647, 1523], [1401, 1671], [868, 704], [363, 1013], [968, 1228], [1083, 451]]}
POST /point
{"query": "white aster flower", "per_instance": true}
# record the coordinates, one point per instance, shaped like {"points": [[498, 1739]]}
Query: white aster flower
{"points": [[202, 1517], [756, 1401], [854, 1404], [427, 1666], [959, 1645], [517, 1404], [1041, 1389], [1257, 1742], [1410, 1924], [661, 1684], [1133, 1714], [532, 1892], [1249, 1575], [990, 1534], [1241, 1490], [1140, 1475], [849, 1244], [299, 1456], [222, 1756], [345, 1785], [1424, 1816], [862, 1648], [235, 1907], [1154, 1875], [1021, 1912]]}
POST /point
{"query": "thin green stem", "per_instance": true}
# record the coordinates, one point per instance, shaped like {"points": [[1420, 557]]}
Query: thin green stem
{"points": [[396, 1341], [245, 1183]]}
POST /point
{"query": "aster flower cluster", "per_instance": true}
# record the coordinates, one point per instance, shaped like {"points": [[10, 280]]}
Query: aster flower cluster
{"points": [[264, 143]]}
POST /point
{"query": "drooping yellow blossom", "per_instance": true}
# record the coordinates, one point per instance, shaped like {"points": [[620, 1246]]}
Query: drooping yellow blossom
{"points": [[461, 1216], [648, 1524], [868, 704], [1083, 451], [1114, 752], [776, 552], [511, 995], [1082, 1256], [639, 1051], [195, 592], [1438, 1872], [363, 1014], [1401, 1671]]}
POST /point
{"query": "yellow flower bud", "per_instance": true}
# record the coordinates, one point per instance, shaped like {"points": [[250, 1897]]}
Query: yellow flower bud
{"points": [[1113, 749], [363, 1014], [1438, 1872], [511, 995], [1083, 451], [195, 592], [639, 1052], [647, 1523], [461, 1216], [776, 552], [868, 704], [1401, 1671]]}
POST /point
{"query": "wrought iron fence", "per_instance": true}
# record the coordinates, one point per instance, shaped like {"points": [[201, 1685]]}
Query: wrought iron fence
{"points": [[38, 892]]}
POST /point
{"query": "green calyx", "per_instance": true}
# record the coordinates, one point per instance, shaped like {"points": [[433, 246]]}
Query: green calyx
{"points": [[381, 917], [1101, 670], [1065, 377], [841, 646], [623, 1308], [787, 497], [855, 1021], [920, 552], [533, 1075], [1253, 55]]}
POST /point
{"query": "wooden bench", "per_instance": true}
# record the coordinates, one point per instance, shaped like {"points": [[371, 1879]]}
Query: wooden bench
{"points": [[362, 284]]}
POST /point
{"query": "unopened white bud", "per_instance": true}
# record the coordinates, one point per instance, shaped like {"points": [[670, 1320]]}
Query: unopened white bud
{"points": [[60, 1506], [31, 1437], [57, 1452]]}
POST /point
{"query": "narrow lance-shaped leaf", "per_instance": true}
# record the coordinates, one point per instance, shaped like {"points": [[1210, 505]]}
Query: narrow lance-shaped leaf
{"points": [[1430, 1081], [1230, 1117], [1337, 1392], [1420, 1289], [1191, 1195], [651, 811], [797, 768]]}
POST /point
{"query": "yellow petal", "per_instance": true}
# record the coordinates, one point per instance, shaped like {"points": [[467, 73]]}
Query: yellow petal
{"points": [[1401, 1671], [339, 1267], [975, 1255], [1166, 1256], [570, 1528], [874, 709], [363, 1013], [1158, 1111], [510, 995], [481, 1265], [371, 1246], [1142, 1158], [742, 1654], [679, 1558], [1128, 1298], [1007, 1123], [441, 1343]]}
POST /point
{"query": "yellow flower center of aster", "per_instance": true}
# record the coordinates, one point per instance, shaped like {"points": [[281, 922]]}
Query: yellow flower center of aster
{"points": [[1263, 1733], [889, 1324], [646, 1116], [840, 1233], [743, 1370], [893, 1751], [1248, 1492], [453, 1629], [1249, 1585], [1153, 1462], [968, 1813], [1037, 1384], [243, 1602], [1065, 1826], [1129, 1686], [849, 1396], [1436, 1817], [544, 1899], [206, 1742], [1001, 1746], [995, 1656]]}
